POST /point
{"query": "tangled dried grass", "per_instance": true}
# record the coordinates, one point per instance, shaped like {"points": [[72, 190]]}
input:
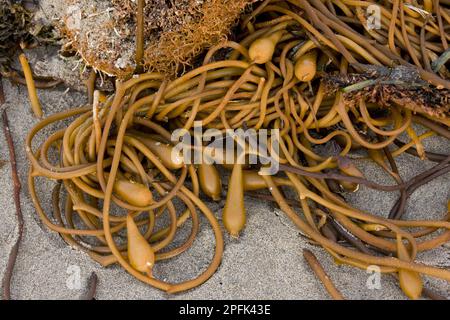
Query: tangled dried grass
{"points": [[176, 48], [103, 33]]}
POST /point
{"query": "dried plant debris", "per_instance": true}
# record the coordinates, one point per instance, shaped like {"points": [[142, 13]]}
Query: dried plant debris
{"points": [[103, 32], [18, 25], [399, 85], [15, 23]]}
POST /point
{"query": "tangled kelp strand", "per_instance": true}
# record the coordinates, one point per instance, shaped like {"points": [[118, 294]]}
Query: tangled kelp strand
{"points": [[126, 137]]}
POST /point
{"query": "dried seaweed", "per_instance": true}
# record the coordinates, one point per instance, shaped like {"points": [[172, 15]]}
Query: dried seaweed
{"points": [[176, 48], [400, 85], [175, 32], [17, 27], [15, 23]]}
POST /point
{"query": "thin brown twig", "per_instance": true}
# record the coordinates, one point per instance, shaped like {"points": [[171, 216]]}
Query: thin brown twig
{"points": [[6, 282], [2, 94]]}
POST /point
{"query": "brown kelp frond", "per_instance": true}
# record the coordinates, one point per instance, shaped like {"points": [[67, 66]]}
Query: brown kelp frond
{"points": [[400, 85]]}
